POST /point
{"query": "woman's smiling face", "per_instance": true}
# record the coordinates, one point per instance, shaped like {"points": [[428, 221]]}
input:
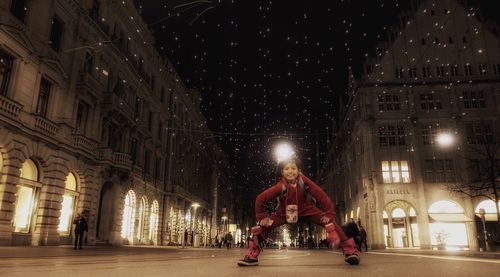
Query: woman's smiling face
{"points": [[290, 171]]}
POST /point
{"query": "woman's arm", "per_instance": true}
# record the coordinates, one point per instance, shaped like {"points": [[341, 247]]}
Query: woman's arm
{"points": [[264, 197]]}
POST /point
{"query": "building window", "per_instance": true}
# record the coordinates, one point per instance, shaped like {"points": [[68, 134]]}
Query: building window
{"points": [[88, 63], [422, 41], [150, 121], [439, 171], [391, 135], [5, 70], [430, 101], [496, 69], [133, 151], [388, 102], [450, 40], [128, 219], [137, 107], [26, 197], [454, 70], [426, 71], [399, 72], [464, 39], [473, 100], [43, 97], [18, 8], [68, 205], [440, 71], [436, 41], [157, 168], [81, 117], [154, 217], [468, 70], [483, 69], [395, 172], [142, 218], [479, 132], [147, 162], [56, 33], [412, 72], [431, 132]]}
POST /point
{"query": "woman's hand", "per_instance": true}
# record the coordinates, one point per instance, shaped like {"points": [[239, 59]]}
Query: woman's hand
{"points": [[325, 220], [266, 222]]}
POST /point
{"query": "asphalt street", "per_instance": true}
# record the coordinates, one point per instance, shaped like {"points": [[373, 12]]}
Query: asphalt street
{"points": [[171, 261]]}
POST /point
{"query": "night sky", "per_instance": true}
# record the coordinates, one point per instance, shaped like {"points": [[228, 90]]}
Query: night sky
{"points": [[269, 70]]}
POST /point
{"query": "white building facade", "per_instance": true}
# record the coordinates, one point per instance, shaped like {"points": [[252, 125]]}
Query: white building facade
{"points": [[439, 73]]}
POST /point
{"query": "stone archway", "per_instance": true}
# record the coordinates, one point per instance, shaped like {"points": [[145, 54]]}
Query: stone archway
{"points": [[400, 225], [105, 216]]}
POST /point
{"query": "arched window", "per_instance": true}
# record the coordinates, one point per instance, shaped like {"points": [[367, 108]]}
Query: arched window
{"points": [[489, 209], [26, 196], [68, 205], [142, 218], [398, 213], [153, 222], [445, 207], [128, 216]]}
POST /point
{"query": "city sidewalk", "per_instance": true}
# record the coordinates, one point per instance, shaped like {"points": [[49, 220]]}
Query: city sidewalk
{"points": [[458, 253], [89, 250]]}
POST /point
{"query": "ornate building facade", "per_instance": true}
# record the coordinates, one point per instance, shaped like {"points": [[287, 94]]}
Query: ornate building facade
{"points": [[93, 120], [438, 74]]}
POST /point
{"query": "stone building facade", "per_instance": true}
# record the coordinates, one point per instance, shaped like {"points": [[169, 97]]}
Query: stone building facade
{"points": [[437, 74], [93, 120]]}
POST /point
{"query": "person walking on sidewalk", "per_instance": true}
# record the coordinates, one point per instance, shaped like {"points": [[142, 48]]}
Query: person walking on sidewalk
{"points": [[362, 235], [80, 228], [296, 204], [228, 238]]}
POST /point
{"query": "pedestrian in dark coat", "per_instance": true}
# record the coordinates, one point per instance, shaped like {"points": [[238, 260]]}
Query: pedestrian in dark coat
{"points": [[80, 228], [362, 233]]}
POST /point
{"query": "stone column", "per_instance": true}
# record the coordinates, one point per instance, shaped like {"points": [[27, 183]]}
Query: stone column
{"points": [[9, 178]]}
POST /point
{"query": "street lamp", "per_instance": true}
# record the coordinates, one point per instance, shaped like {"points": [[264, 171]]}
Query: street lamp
{"points": [[283, 152], [445, 139]]}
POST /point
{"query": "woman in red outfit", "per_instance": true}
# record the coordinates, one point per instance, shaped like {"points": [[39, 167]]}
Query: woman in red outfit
{"points": [[294, 206]]}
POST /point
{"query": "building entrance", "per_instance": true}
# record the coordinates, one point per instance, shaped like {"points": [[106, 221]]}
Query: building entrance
{"points": [[400, 225]]}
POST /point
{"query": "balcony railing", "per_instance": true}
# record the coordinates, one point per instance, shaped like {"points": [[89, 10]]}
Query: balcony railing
{"points": [[122, 160], [83, 143], [9, 107], [46, 126]]}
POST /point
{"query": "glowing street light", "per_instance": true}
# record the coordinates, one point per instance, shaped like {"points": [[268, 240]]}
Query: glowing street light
{"points": [[445, 139], [283, 152]]}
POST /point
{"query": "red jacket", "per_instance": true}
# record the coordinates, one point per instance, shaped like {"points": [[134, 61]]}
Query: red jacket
{"points": [[296, 195]]}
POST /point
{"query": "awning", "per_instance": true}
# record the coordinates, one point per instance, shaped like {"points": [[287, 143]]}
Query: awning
{"points": [[449, 217], [488, 217]]}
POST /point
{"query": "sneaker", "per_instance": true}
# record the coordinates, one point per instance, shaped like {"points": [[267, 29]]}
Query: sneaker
{"points": [[247, 261], [351, 253], [351, 259]]}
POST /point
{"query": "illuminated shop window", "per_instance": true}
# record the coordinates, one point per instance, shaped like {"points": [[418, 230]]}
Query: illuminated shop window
{"points": [[68, 205], [489, 209], [142, 218], [128, 216], [395, 172], [153, 221], [26, 197]]}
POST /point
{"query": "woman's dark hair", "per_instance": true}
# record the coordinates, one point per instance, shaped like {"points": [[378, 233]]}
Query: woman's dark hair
{"points": [[293, 159]]}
